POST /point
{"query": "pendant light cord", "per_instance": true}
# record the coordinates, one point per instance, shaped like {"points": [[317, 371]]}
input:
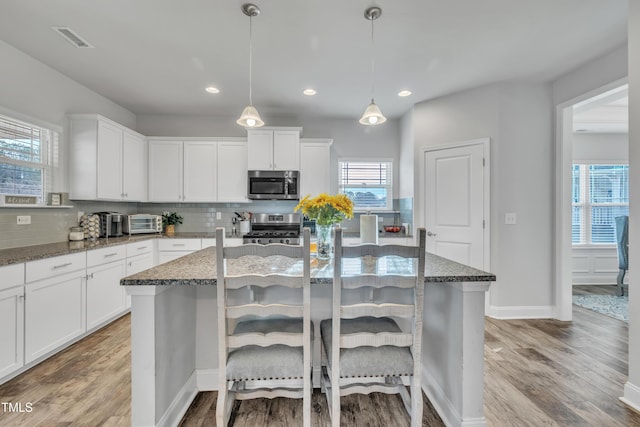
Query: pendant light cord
{"points": [[372, 65], [250, 56]]}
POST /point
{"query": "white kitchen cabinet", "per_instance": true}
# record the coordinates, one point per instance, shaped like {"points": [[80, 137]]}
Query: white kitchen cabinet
{"points": [[274, 149], [200, 165], [183, 171], [170, 249], [11, 319], [11, 330], [165, 171], [105, 297], [54, 313], [315, 166], [232, 171], [107, 160]]}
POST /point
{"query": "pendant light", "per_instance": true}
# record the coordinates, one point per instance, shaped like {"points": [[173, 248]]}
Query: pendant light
{"points": [[372, 115], [250, 117]]}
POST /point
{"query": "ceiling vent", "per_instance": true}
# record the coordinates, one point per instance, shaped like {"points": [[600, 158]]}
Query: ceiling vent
{"points": [[72, 37]]}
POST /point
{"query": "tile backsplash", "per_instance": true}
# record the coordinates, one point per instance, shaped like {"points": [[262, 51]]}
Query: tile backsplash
{"points": [[50, 225]]}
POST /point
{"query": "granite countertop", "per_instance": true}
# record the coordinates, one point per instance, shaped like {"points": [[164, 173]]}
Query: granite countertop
{"points": [[36, 252], [199, 268]]}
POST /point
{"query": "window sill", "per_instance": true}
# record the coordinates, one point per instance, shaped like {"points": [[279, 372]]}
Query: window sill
{"points": [[35, 207]]}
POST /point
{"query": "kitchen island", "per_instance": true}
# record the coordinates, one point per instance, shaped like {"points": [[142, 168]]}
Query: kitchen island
{"points": [[174, 335]]}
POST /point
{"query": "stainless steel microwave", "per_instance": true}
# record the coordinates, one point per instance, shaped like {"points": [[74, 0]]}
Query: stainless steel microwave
{"points": [[273, 185]]}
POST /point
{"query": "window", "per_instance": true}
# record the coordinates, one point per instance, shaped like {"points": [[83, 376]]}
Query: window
{"points": [[600, 194], [368, 184], [24, 161]]}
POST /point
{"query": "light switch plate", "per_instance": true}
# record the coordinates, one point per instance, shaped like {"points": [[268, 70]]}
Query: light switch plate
{"points": [[218, 215], [24, 219], [510, 218]]}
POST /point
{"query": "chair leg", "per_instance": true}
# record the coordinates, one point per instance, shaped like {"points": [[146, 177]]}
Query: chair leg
{"points": [[416, 403], [224, 406], [620, 282]]}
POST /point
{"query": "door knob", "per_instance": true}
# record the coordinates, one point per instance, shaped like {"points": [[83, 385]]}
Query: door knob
{"points": [[430, 234]]}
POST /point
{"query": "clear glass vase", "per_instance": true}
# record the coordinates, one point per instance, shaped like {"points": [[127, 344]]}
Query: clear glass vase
{"points": [[325, 242]]}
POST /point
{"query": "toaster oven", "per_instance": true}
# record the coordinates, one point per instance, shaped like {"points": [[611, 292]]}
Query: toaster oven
{"points": [[142, 223]]}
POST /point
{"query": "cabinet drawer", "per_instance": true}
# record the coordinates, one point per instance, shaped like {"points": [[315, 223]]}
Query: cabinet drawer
{"points": [[139, 248], [42, 269], [12, 275], [179, 245], [104, 255]]}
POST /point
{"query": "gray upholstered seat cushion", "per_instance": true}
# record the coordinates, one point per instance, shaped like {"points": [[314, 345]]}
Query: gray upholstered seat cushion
{"points": [[263, 363], [368, 361]]}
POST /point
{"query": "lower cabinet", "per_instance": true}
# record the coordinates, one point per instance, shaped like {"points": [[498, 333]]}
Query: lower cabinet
{"points": [[11, 330], [54, 313], [105, 297], [170, 249]]}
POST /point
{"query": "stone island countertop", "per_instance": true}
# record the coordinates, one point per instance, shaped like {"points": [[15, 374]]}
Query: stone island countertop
{"points": [[199, 268]]}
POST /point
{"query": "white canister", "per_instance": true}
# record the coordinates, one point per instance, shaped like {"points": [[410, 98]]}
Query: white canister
{"points": [[245, 227]]}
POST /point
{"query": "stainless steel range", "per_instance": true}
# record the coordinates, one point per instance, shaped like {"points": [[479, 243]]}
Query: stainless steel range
{"points": [[274, 228]]}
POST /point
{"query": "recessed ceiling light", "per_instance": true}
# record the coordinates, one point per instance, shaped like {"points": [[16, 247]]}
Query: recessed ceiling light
{"points": [[309, 92], [212, 89], [404, 93]]}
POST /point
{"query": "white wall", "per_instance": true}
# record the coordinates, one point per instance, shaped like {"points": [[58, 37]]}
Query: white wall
{"points": [[632, 388], [34, 90], [600, 147], [517, 118]]}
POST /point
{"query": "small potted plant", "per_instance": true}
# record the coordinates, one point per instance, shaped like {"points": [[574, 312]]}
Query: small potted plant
{"points": [[169, 221]]}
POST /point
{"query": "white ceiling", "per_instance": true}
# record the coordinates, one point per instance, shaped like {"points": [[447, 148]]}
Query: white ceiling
{"points": [[157, 56], [604, 113]]}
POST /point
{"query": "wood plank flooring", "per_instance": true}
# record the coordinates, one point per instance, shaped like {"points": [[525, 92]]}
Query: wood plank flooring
{"points": [[537, 373]]}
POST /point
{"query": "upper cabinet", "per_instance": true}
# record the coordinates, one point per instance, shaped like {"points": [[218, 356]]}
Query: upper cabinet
{"points": [[274, 149], [107, 160], [183, 171], [315, 171], [232, 171]]}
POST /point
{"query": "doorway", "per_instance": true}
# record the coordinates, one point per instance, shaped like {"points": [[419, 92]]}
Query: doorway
{"points": [[579, 124]]}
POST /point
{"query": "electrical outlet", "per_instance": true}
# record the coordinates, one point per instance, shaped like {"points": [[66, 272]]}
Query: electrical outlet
{"points": [[24, 219], [218, 215], [510, 218]]}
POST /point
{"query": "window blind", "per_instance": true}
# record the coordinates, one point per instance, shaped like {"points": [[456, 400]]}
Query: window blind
{"points": [[600, 194], [368, 184]]}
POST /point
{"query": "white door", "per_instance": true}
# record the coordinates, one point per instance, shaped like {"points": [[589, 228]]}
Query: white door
{"points": [[232, 171], [200, 171], [260, 143], [286, 150], [165, 171], [109, 162], [455, 203], [134, 172]]}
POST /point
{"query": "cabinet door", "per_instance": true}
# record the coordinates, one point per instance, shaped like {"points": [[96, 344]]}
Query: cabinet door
{"points": [[105, 296], [109, 162], [11, 330], [134, 165], [54, 313], [286, 150], [315, 170], [260, 145], [165, 171], [200, 164], [232, 171]]}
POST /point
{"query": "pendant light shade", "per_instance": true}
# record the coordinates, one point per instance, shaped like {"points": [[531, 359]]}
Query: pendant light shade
{"points": [[372, 114], [250, 117]]}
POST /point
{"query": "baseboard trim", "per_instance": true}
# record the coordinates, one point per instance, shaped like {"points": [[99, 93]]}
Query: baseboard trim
{"points": [[520, 312], [180, 404], [443, 406], [207, 379], [631, 396]]}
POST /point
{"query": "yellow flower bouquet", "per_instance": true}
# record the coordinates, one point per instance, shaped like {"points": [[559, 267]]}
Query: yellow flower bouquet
{"points": [[326, 209]]}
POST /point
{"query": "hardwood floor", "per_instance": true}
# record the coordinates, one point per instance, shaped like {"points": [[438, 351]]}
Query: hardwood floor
{"points": [[537, 372]]}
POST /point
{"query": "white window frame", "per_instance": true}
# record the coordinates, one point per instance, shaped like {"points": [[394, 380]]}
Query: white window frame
{"points": [[586, 204], [388, 186], [49, 140]]}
